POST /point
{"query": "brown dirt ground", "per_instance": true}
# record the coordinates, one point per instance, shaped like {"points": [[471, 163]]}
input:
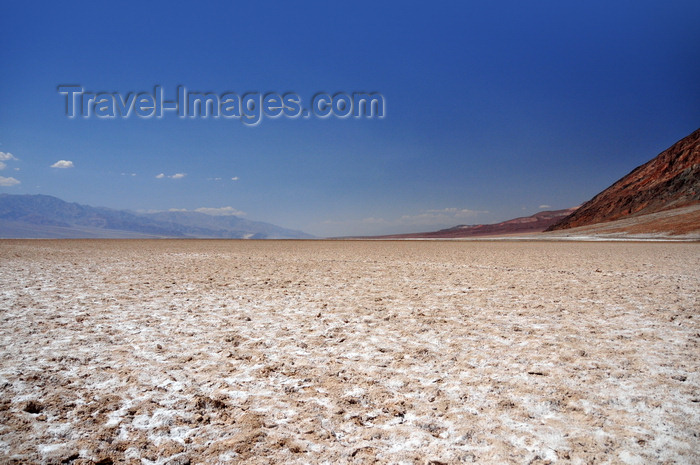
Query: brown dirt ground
{"points": [[179, 352]]}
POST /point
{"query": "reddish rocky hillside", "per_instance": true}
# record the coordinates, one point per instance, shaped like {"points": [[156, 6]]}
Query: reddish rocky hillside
{"points": [[670, 180], [528, 224]]}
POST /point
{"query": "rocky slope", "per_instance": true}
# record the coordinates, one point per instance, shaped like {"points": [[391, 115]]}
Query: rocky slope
{"points": [[671, 180], [678, 224]]}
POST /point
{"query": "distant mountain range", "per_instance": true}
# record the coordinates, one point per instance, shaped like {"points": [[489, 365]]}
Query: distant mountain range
{"points": [[669, 181], [44, 216], [523, 225]]}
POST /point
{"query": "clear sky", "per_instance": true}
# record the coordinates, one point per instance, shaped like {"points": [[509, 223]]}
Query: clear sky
{"points": [[494, 109]]}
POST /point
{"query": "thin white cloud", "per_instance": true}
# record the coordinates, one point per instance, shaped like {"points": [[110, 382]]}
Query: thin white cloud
{"points": [[468, 213], [174, 176], [2, 166], [235, 178], [436, 218], [444, 210], [543, 207], [128, 174], [4, 156], [8, 182], [373, 220], [222, 211], [452, 212], [63, 164]]}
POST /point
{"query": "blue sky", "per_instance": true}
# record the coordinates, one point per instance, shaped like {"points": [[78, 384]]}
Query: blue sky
{"points": [[493, 109]]}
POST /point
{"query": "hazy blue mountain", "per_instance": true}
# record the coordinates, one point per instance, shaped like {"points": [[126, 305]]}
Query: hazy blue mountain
{"points": [[202, 225], [44, 216]]}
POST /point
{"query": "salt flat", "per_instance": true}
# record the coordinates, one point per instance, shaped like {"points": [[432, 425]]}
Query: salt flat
{"points": [[176, 352]]}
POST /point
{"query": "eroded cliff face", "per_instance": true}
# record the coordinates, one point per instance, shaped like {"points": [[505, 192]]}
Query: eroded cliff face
{"points": [[670, 180]]}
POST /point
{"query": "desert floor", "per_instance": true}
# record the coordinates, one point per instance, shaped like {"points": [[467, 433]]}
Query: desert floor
{"points": [[177, 352]]}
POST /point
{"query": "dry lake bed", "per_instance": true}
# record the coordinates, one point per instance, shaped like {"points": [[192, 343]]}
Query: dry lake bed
{"points": [[205, 352]]}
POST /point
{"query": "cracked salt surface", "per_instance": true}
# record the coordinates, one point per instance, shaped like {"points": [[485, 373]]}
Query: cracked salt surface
{"points": [[154, 352]]}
